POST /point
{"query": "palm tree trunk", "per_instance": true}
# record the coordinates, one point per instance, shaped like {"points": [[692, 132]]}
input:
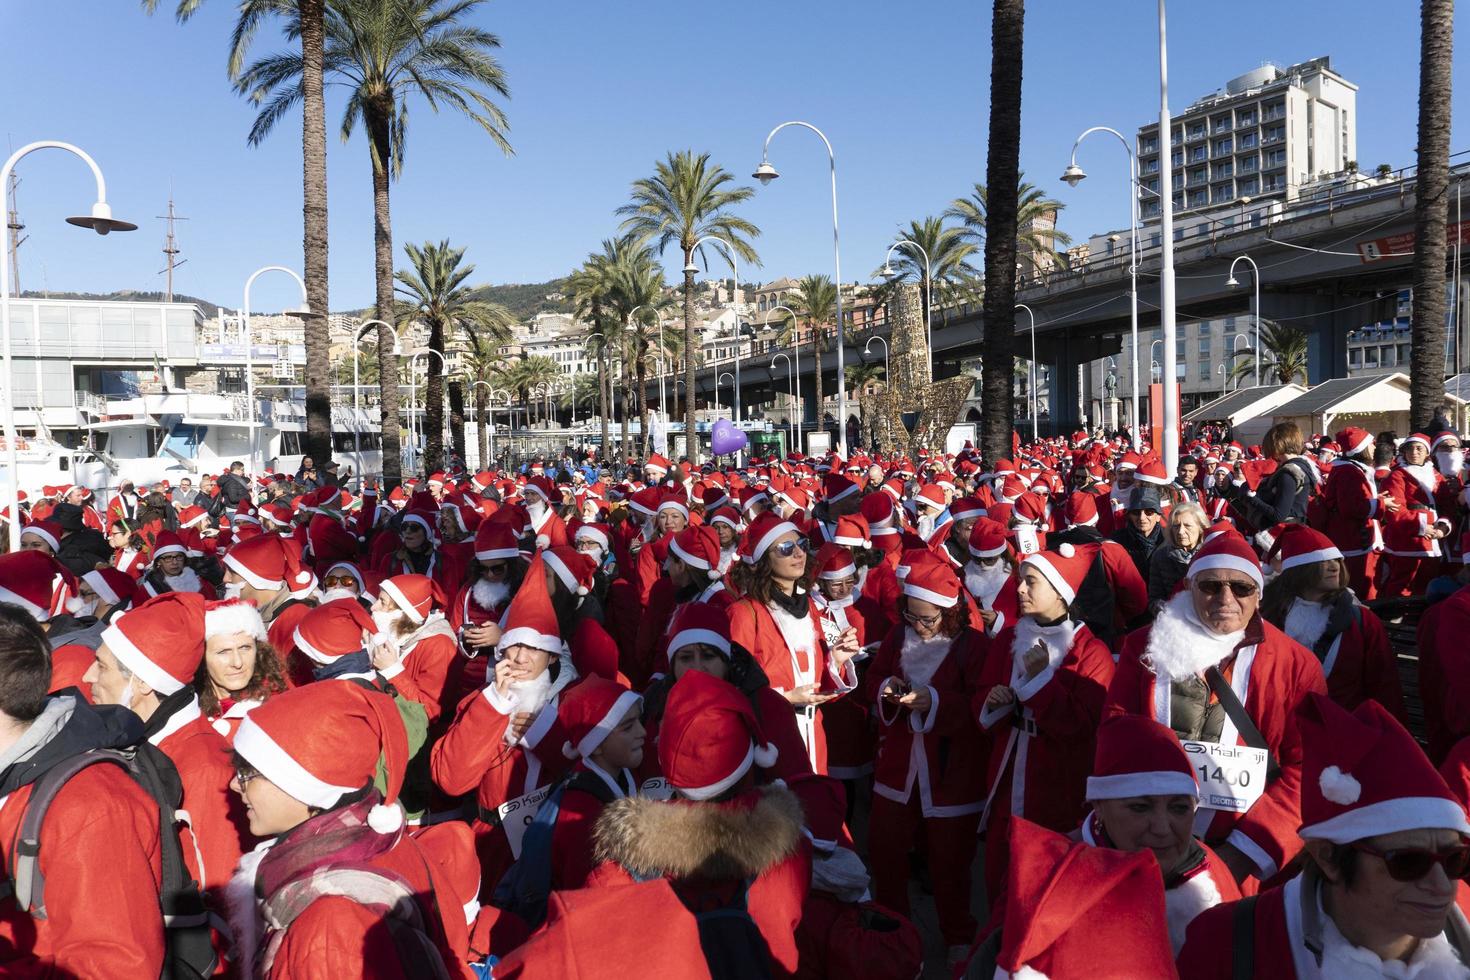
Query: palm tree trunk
{"points": [[1431, 203], [434, 403], [643, 399], [624, 443], [383, 275], [314, 240], [691, 438], [1002, 167], [481, 431], [456, 418]]}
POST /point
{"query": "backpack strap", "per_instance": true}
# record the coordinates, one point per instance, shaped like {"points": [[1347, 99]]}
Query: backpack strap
{"points": [[1243, 951], [1243, 723]]}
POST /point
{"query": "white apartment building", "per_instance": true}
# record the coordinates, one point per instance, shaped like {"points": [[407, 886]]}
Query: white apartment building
{"points": [[1265, 134]]}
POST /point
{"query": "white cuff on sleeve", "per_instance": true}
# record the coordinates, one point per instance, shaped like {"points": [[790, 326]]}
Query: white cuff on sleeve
{"points": [[1252, 850]]}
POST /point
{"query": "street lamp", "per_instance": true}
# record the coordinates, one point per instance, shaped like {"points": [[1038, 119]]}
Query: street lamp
{"points": [[304, 311], [789, 390], [1166, 268], [1235, 349], [356, 423], [1022, 306], [796, 351], [490, 406], [723, 374], [413, 456], [735, 295], [766, 173], [1221, 371], [1233, 282], [928, 296], [1074, 175], [102, 222]]}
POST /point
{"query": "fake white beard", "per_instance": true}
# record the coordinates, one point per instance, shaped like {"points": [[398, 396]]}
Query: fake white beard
{"points": [[926, 525], [1181, 646], [234, 590], [489, 595], [530, 696], [1450, 463], [536, 508], [919, 659], [185, 581], [985, 583], [1307, 621], [329, 595], [1433, 959], [387, 627], [78, 608]]}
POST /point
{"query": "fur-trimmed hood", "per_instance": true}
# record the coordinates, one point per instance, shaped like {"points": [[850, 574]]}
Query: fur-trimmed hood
{"points": [[679, 839]]}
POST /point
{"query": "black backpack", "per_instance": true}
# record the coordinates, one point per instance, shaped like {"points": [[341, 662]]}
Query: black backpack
{"points": [[733, 946], [1095, 604], [188, 949]]}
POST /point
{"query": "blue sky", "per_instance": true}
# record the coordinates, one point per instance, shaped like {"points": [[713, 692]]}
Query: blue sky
{"points": [[601, 90]]}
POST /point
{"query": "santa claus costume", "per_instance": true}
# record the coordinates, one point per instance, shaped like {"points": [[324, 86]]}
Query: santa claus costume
{"points": [[1164, 673], [419, 642], [988, 575], [483, 599], [851, 737], [1353, 510], [930, 764], [1042, 738], [698, 549], [1363, 777], [1411, 536]]}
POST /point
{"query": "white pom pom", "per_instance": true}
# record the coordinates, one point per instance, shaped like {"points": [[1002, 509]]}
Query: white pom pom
{"points": [[1026, 973], [766, 756], [569, 750], [1339, 787], [542, 541], [386, 818], [1066, 550], [713, 574], [302, 577], [581, 590]]}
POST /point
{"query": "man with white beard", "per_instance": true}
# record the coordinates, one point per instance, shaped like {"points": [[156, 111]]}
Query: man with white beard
{"points": [[1228, 683], [170, 571], [988, 572], [414, 647]]}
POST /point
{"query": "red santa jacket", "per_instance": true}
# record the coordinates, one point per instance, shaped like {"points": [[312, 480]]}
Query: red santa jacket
{"points": [[1042, 744], [1276, 673], [572, 841], [221, 829], [1444, 672], [100, 858], [1416, 489], [1352, 508], [947, 766], [422, 672], [1357, 659]]}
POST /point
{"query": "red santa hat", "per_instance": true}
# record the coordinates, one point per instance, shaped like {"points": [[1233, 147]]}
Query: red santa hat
{"points": [[877, 510], [1137, 756], [36, 582], [851, 531], [437, 478], [658, 464], [193, 516], [1353, 440], [47, 531], [988, 539], [334, 629], [268, 564], [967, 507], [698, 547], [700, 622], [673, 500], [1363, 775], [531, 620], [750, 497], [1081, 509], [598, 534], [227, 617], [416, 595], [1152, 471], [114, 587], [761, 534], [1068, 903], [168, 543], [541, 486], [1417, 437], [837, 487], [835, 562], [321, 742], [932, 581], [1298, 544], [1065, 568], [1227, 551], [495, 539], [931, 495], [276, 513], [160, 641], [329, 540], [575, 570], [710, 736], [1442, 438], [589, 710]]}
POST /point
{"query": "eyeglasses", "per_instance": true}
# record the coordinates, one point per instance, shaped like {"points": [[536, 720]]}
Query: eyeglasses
{"points": [[496, 569], [1413, 863], [928, 622], [1214, 586], [243, 777], [788, 548], [339, 581]]}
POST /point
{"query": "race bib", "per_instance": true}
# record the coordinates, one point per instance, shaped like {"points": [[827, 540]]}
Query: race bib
{"points": [[831, 631], [657, 788], [516, 815], [1231, 777]]}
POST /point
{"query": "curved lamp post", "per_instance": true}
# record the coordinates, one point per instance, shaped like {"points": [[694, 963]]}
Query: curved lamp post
{"points": [[796, 352], [1023, 306], [1233, 282], [788, 379], [413, 454], [304, 311], [888, 272]]}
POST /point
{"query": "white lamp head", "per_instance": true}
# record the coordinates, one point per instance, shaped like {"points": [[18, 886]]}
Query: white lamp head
{"points": [[691, 268], [1232, 281], [765, 173], [1073, 175], [101, 220], [887, 271]]}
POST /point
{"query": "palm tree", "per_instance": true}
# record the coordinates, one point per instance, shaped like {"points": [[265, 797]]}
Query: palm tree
{"points": [[814, 301], [949, 249], [1283, 355], [998, 221], [384, 53], [529, 373], [860, 375], [592, 288], [1431, 200], [585, 390], [1036, 233], [685, 200], [435, 294], [308, 18], [636, 298]]}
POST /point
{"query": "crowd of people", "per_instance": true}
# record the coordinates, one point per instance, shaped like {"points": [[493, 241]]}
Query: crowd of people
{"points": [[728, 720]]}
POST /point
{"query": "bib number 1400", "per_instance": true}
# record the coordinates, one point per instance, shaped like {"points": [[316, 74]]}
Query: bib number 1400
{"points": [[1231, 777], [1224, 776]]}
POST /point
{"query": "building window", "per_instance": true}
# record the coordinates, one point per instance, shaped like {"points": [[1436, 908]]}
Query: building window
{"points": [[1370, 357], [1198, 154], [1178, 182], [1249, 141], [1275, 110], [1276, 158], [1250, 164], [1150, 145], [1152, 185], [1220, 124], [1245, 118], [1197, 131], [1355, 358], [1272, 134], [1176, 160], [1198, 199], [1224, 147], [1204, 345], [1222, 193], [1198, 176], [1204, 370], [1151, 167], [1224, 170]]}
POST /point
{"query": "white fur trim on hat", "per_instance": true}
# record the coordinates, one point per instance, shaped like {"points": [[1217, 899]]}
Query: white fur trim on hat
{"points": [[850, 542], [1359, 446], [38, 613], [277, 765], [99, 585], [396, 594], [45, 535], [915, 592], [234, 618], [603, 728], [1048, 571], [527, 636], [840, 572], [585, 533], [1339, 787], [687, 558], [1390, 817], [1310, 558], [1130, 784], [1211, 562], [988, 552], [689, 637], [169, 549], [765, 757], [137, 662], [564, 573], [264, 584], [764, 544]]}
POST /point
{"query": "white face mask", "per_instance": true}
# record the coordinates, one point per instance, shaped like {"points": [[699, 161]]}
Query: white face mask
{"points": [[234, 590], [1450, 461]]}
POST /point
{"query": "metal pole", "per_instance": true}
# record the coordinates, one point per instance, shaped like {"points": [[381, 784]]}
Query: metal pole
{"points": [[249, 363], [796, 351], [1034, 432], [1170, 440]]}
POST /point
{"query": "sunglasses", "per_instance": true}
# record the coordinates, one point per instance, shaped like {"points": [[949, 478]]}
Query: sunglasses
{"points": [[1214, 586], [339, 581], [1413, 863], [788, 548], [496, 569]]}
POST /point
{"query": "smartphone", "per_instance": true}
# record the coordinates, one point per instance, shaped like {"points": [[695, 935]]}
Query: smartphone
{"points": [[896, 691]]}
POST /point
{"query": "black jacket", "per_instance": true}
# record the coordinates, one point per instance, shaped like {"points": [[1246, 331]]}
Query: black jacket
{"points": [[104, 726], [1281, 497], [233, 489], [82, 550], [1139, 548]]}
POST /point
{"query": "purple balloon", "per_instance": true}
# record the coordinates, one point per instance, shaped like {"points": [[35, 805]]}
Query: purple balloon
{"points": [[725, 438]]}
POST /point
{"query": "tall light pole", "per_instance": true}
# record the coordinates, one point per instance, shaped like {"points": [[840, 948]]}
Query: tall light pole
{"points": [[884, 342], [766, 173], [1074, 175], [604, 391], [722, 374], [102, 222], [490, 398], [1235, 349], [789, 390], [1233, 282], [413, 455], [1166, 270], [735, 295], [887, 273], [1034, 433], [796, 352], [302, 311], [1223, 378], [356, 387]]}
